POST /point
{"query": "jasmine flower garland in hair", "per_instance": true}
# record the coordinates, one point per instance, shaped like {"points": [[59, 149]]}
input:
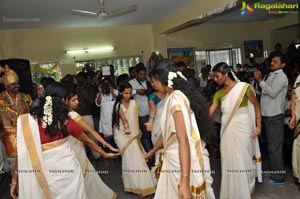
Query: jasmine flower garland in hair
{"points": [[234, 76], [181, 75], [171, 76], [47, 118]]}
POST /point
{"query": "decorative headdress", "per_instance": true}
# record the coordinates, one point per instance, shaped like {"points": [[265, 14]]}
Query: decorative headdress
{"points": [[10, 76], [172, 75]]}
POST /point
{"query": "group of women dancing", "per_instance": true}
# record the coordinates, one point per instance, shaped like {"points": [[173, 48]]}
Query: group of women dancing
{"points": [[52, 161]]}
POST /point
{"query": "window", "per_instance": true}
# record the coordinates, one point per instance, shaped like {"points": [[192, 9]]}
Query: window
{"points": [[212, 57], [39, 70], [121, 64]]}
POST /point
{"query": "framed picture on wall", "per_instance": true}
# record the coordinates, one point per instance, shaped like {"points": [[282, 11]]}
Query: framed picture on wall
{"points": [[254, 48], [185, 55]]}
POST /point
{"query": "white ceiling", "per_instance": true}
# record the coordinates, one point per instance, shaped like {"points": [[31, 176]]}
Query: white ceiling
{"points": [[232, 14], [56, 13]]}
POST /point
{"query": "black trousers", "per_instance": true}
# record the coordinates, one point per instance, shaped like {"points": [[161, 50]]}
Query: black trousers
{"points": [[274, 127], [146, 135]]}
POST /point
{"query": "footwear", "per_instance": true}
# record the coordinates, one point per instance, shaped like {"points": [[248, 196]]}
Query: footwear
{"points": [[296, 181], [277, 182]]}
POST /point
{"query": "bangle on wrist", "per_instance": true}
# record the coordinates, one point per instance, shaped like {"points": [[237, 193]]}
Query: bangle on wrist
{"points": [[185, 176], [12, 184], [151, 118]]}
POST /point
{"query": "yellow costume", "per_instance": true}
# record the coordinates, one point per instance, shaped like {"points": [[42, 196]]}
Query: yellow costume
{"points": [[10, 109]]}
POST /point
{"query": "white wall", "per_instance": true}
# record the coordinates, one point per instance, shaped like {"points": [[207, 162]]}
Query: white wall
{"points": [[46, 45]]}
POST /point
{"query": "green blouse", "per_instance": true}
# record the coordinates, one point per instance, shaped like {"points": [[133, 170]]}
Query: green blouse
{"points": [[220, 94]]}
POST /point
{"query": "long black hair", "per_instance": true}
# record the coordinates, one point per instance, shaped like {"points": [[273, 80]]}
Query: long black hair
{"points": [[59, 109], [198, 103], [117, 105], [223, 68]]}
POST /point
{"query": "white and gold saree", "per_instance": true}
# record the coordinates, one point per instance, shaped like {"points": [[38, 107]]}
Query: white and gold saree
{"points": [[200, 173], [94, 186], [296, 144], [48, 171], [136, 175], [240, 154]]}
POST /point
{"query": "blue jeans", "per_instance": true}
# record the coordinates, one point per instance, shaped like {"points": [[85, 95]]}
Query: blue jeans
{"points": [[146, 135]]}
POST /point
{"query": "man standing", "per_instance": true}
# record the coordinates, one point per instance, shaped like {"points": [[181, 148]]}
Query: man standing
{"points": [[140, 85], [12, 104], [274, 89]]}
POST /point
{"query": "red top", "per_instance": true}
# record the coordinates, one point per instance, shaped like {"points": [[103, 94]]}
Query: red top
{"points": [[72, 128]]}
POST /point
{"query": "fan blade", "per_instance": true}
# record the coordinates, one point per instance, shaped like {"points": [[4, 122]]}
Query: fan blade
{"points": [[122, 11], [84, 13]]}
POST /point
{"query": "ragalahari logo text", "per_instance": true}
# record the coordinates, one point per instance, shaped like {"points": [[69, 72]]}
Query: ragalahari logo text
{"points": [[246, 8], [271, 8]]}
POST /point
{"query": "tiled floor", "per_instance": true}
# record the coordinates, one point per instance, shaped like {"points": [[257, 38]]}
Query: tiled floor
{"points": [[111, 175]]}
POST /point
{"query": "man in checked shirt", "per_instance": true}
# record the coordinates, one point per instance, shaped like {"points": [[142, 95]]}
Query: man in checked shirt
{"points": [[274, 89]]}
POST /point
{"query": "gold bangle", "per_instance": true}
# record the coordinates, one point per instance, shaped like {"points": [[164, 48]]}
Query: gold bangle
{"points": [[12, 184], [185, 176]]}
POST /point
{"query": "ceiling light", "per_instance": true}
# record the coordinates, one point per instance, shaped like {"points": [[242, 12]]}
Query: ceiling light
{"points": [[86, 50]]}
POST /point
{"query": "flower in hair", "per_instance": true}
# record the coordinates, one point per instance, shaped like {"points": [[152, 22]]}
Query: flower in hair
{"points": [[47, 117], [181, 75], [171, 76], [234, 76]]}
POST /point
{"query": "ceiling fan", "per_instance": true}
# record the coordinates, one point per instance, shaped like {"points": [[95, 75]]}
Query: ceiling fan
{"points": [[103, 14]]}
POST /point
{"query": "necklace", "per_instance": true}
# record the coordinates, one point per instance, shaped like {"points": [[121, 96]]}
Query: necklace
{"points": [[13, 101]]}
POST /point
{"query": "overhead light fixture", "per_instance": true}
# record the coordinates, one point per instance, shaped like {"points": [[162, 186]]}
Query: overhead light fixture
{"points": [[86, 50]]}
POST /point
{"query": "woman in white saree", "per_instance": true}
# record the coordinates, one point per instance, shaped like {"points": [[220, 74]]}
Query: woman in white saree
{"points": [[185, 170], [240, 126], [156, 102], [136, 175], [295, 124], [94, 186], [47, 166]]}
